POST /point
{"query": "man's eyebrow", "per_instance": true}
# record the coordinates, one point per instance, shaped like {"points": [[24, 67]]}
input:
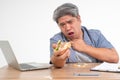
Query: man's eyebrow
{"points": [[69, 20], [61, 23]]}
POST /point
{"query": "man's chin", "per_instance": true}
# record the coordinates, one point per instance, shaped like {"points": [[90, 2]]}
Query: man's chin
{"points": [[71, 38]]}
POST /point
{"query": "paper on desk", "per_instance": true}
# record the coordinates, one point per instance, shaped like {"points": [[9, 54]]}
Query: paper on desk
{"points": [[105, 66]]}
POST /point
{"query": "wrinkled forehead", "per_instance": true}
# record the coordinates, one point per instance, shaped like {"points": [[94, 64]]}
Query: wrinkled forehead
{"points": [[64, 19]]}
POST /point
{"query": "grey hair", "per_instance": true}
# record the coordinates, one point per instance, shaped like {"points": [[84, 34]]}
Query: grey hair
{"points": [[65, 9]]}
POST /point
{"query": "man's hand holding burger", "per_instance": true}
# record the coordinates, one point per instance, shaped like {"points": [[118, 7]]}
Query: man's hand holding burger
{"points": [[61, 53]]}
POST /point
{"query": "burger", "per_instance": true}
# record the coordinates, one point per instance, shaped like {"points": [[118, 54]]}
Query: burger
{"points": [[62, 46]]}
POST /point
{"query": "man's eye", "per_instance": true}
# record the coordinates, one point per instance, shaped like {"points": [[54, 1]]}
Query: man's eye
{"points": [[70, 22], [62, 25]]}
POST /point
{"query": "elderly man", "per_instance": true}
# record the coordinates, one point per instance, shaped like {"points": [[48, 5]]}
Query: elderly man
{"points": [[88, 45]]}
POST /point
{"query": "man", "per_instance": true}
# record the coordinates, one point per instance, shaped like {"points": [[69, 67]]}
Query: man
{"points": [[88, 45]]}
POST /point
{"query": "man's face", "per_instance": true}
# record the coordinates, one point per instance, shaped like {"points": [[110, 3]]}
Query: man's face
{"points": [[70, 26]]}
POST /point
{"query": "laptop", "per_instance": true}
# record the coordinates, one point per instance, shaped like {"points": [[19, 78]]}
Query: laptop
{"points": [[12, 61]]}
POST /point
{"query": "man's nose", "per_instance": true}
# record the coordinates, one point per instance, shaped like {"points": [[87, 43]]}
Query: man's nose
{"points": [[67, 27]]}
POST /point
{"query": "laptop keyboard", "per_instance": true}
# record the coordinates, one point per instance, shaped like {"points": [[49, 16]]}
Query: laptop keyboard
{"points": [[26, 66]]}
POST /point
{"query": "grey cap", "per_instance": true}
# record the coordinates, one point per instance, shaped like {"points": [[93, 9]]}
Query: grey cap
{"points": [[65, 9]]}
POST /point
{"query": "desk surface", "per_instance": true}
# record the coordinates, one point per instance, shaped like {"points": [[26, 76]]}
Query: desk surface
{"points": [[65, 73]]}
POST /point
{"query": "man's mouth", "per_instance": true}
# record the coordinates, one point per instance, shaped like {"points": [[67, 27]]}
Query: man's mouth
{"points": [[71, 33]]}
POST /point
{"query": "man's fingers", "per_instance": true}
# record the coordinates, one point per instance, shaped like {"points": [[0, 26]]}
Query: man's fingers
{"points": [[54, 46]]}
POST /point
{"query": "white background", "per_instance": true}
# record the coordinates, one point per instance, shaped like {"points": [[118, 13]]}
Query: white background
{"points": [[28, 24]]}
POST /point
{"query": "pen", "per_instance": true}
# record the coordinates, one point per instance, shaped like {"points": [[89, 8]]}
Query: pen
{"points": [[86, 74]]}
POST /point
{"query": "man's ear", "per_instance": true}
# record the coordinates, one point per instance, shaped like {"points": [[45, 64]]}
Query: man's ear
{"points": [[79, 18]]}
